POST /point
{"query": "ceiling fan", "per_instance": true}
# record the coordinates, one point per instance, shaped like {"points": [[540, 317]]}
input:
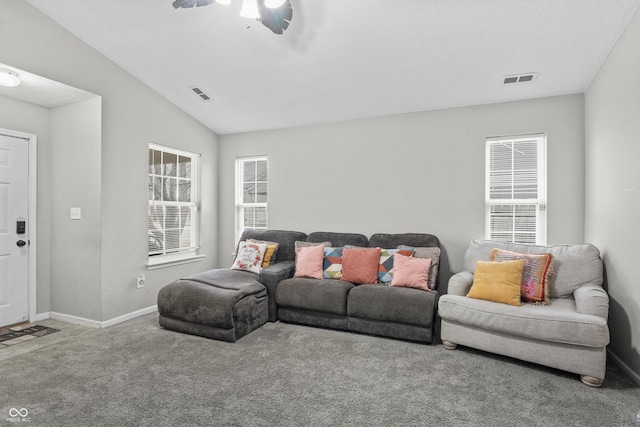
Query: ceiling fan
{"points": [[274, 14]]}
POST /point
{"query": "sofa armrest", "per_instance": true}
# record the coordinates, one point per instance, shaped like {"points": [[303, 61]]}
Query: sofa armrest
{"points": [[460, 283], [592, 299], [270, 277]]}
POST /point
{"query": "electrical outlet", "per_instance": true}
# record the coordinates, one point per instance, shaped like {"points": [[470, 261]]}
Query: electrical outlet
{"points": [[140, 281], [76, 213]]}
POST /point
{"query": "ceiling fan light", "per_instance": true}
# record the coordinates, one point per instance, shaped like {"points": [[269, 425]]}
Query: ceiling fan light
{"points": [[250, 9], [273, 4], [9, 78], [224, 2]]}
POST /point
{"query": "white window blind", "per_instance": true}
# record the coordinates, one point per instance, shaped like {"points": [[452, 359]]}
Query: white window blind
{"points": [[173, 201], [251, 194], [516, 189]]}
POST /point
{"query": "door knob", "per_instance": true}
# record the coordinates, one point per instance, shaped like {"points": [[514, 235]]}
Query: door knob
{"points": [[21, 243]]}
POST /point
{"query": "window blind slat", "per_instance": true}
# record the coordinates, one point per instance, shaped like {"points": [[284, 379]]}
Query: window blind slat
{"points": [[514, 189], [172, 201]]}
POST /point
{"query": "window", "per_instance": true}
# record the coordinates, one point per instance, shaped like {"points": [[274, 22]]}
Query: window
{"points": [[516, 189], [173, 204], [251, 194]]}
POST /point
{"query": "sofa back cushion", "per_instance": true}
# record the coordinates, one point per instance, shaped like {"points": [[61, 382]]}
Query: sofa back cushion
{"points": [[338, 239], [382, 240], [286, 239], [573, 265]]}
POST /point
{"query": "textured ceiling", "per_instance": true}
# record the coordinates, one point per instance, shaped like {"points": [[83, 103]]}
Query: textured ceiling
{"points": [[348, 59], [41, 91]]}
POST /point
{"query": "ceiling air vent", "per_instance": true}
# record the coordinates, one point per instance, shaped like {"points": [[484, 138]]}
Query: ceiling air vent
{"points": [[519, 78], [200, 94]]}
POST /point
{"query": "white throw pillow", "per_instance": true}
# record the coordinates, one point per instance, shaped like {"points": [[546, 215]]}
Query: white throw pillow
{"points": [[249, 257]]}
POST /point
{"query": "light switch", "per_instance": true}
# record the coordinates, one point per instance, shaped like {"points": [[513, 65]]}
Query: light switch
{"points": [[76, 213]]}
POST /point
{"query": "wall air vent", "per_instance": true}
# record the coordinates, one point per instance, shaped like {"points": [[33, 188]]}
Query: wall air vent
{"points": [[519, 78], [200, 94]]}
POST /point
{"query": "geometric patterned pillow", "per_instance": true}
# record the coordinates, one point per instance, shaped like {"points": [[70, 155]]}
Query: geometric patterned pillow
{"points": [[535, 276], [385, 269], [332, 263]]}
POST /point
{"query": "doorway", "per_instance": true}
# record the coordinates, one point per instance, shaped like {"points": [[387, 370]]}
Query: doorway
{"points": [[17, 227]]}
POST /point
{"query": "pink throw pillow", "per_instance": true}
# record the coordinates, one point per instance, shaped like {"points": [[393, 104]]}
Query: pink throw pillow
{"points": [[360, 265], [309, 262], [411, 272]]}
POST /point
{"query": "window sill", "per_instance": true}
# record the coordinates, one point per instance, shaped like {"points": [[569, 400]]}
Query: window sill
{"points": [[171, 260]]}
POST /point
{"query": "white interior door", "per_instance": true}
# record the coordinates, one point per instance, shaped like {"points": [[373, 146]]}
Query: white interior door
{"points": [[14, 230]]}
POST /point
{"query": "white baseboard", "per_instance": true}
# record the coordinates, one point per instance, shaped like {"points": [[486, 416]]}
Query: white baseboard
{"points": [[129, 316], [95, 323], [42, 316], [75, 320], [635, 377]]}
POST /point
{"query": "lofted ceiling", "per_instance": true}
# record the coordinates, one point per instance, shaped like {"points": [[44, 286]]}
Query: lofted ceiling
{"points": [[349, 59]]}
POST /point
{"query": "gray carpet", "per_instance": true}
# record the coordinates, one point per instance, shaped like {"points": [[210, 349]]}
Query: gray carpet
{"points": [[137, 374]]}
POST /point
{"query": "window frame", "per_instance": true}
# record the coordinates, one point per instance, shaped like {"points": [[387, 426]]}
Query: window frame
{"points": [[179, 256], [241, 205], [540, 202]]}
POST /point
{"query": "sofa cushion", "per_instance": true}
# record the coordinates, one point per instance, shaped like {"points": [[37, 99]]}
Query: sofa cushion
{"points": [[327, 296], [286, 239], [497, 281], [338, 239], [573, 265], [400, 305], [410, 272], [433, 253], [271, 252], [534, 287], [360, 265], [385, 269], [309, 262], [332, 263], [557, 322], [249, 256]]}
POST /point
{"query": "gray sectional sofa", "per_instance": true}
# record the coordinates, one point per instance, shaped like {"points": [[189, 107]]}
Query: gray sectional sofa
{"points": [[375, 309], [227, 304]]}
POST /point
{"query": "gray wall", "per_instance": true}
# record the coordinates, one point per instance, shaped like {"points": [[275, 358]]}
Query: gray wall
{"points": [[421, 172], [132, 116], [75, 182], [613, 187]]}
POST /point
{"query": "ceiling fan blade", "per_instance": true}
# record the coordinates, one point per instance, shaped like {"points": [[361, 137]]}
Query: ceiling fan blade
{"points": [[277, 19], [177, 4]]}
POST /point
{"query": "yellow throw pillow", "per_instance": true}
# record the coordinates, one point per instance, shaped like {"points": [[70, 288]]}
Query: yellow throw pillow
{"points": [[497, 281]]}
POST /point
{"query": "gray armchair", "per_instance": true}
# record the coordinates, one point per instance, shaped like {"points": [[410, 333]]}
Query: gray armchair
{"points": [[570, 333]]}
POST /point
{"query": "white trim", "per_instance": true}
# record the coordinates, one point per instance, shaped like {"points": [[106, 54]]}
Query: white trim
{"points": [[634, 376], [540, 202], [129, 316], [240, 205], [162, 261], [75, 320], [43, 316], [32, 140]]}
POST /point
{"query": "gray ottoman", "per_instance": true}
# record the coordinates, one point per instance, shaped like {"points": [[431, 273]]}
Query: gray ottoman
{"points": [[221, 304]]}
